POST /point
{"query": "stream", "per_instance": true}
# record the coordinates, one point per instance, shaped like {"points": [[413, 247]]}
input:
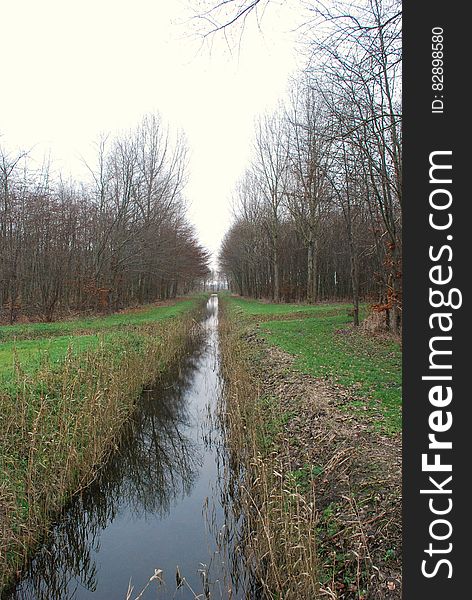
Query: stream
{"points": [[156, 505]]}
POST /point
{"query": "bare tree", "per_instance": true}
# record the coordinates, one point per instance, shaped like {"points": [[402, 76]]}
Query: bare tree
{"points": [[360, 66], [270, 166], [121, 239], [309, 158]]}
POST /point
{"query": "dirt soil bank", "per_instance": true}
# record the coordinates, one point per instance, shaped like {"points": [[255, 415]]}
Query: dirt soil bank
{"points": [[356, 472]]}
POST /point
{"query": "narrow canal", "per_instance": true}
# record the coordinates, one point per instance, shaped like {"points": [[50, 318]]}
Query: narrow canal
{"points": [[155, 505]]}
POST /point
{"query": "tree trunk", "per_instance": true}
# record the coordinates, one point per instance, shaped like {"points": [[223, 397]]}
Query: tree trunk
{"points": [[354, 276], [355, 289], [311, 273], [276, 283]]}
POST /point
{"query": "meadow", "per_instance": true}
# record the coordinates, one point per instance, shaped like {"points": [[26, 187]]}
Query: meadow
{"points": [[34, 345], [140, 316]]}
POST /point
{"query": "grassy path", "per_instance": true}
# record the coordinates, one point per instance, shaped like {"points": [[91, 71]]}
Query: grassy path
{"points": [[138, 317], [325, 345]]}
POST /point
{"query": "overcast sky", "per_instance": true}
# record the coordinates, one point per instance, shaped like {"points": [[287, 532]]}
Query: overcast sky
{"points": [[73, 69]]}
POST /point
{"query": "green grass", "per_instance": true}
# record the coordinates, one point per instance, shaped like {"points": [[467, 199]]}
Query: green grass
{"points": [[273, 423], [301, 480], [31, 354], [258, 308], [324, 345], [146, 315], [33, 345]]}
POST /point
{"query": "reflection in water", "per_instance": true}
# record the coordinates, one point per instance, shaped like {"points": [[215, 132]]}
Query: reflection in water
{"points": [[144, 510]]}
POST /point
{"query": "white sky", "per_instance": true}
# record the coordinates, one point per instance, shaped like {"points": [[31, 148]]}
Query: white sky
{"points": [[73, 69]]}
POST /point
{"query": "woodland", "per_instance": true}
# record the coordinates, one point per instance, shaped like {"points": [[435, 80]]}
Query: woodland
{"points": [[121, 240], [318, 212]]}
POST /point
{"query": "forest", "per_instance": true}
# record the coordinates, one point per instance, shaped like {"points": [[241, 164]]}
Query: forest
{"points": [[120, 240], [317, 214]]}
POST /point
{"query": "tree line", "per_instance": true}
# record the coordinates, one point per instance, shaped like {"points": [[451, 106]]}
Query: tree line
{"points": [[120, 239], [317, 214]]}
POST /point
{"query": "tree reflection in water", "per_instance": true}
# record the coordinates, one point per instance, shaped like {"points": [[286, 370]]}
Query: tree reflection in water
{"points": [[155, 462]]}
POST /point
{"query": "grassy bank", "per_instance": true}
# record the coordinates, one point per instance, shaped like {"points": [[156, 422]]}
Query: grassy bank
{"points": [[325, 345], [266, 310], [277, 533], [125, 319], [63, 402], [35, 345], [313, 414]]}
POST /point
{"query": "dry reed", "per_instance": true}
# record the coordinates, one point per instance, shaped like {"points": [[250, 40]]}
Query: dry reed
{"points": [[278, 530]]}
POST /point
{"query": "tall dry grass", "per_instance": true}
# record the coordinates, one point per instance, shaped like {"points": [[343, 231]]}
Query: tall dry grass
{"points": [[60, 426], [278, 518]]}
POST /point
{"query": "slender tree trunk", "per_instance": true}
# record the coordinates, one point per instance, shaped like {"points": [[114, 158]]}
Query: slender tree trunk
{"points": [[311, 273], [355, 287], [395, 321], [354, 272], [276, 285]]}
